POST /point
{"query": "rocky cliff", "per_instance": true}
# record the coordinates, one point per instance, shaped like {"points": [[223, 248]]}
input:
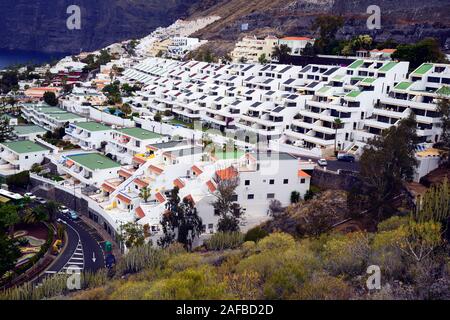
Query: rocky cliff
{"points": [[40, 25], [401, 20]]}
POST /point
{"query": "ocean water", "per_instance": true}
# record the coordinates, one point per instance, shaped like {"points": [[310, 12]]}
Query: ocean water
{"points": [[14, 57]]}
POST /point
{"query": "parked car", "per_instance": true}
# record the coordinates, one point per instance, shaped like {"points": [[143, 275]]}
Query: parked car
{"points": [[30, 195], [63, 209], [346, 157], [73, 215], [41, 200], [322, 162]]}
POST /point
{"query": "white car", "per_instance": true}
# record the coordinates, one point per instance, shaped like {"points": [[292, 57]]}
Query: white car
{"points": [[322, 162], [29, 195], [63, 209]]}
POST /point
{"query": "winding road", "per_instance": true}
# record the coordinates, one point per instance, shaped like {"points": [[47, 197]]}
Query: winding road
{"points": [[83, 250]]}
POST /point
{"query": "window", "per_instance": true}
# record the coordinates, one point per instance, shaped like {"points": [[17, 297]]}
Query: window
{"points": [[271, 181], [234, 197], [285, 181], [302, 180], [250, 196], [270, 195], [26, 157], [247, 182]]}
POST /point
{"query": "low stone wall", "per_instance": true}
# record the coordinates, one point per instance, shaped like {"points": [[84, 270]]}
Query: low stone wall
{"points": [[332, 180]]}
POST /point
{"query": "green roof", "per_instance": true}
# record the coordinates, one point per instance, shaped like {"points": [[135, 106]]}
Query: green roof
{"points": [[49, 110], [403, 85], [444, 90], [228, 155], [424, 68], [25, 130], [94, 161], [369, 80], [25, 146], [324, 89], [353, 94], [93, 126], [139, 133], [338, 77], [65, 116], [388, 66], [356, 64]]}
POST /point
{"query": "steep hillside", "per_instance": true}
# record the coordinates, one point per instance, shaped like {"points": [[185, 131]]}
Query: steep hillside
{"points": [[402, 20], [40, 25]]}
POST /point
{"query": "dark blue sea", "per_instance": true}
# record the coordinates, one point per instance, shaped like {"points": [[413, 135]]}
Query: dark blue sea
{"points": [[14, 57]]}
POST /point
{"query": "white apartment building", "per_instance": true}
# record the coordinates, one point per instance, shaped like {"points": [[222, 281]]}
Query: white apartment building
{"points": [[89, 169], [296, 44], [127, 142], [250, 49], [89, 135], [19, 156], [418, 94], [49, 118]]}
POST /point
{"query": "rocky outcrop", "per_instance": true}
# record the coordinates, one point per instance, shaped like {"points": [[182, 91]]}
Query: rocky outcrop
{"points": [[401, 20], [40, 25]]}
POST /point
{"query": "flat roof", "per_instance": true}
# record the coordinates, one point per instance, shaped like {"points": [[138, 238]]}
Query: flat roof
{"points": [[139, 133], [388, 66], [93, 126], [94, 161], [424, 68], [25, 146], [29, 129]]}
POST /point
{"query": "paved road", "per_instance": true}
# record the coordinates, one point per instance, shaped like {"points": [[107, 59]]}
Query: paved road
{"points": [[335, 165], [84, 248]]}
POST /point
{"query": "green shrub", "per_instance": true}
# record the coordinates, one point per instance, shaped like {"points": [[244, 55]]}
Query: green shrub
{"points": [[139, 258], [255, 234], [224, 240]]}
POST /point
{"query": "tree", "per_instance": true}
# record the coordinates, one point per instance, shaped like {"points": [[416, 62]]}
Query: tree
{"points": [[50, 98], [295, 197], [426, 50], [327, 26], [9, 217], [180, 222], [443, 108], [225, 207], [52, 209], [157, 117], [132, 234], [125, 108], [386, 162], [145, 193], [309, 50], [434, 205], [21, 179], [281, 53], [6, 130], [35, 215], [262, 59], [9, 253], [275, 207], [337, 125]]}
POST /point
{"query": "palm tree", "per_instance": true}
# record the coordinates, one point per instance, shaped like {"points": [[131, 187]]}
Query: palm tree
{"points": [[337, 125], [145, 193], [281, 52]]}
